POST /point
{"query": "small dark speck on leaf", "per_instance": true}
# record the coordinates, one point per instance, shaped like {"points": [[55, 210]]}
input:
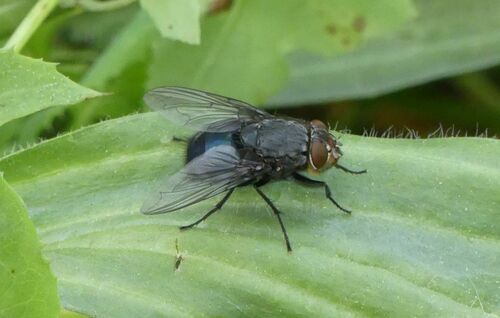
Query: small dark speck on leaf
{"points": [[331, 28], [178, 256], [359, 24], [13, 271], [170, 27], [178, 260]]}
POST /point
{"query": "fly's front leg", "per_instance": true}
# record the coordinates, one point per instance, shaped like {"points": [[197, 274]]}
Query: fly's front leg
{"points": [[318, 183], [349, 170]]}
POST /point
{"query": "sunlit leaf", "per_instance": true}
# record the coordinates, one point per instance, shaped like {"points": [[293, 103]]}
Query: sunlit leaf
{"points": [[423, 239], [28, 85]]}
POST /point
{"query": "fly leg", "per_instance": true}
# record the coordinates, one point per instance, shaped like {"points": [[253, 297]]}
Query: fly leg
{"points": [[318, 183], [349, 170], [277, 213], [216, 208]]}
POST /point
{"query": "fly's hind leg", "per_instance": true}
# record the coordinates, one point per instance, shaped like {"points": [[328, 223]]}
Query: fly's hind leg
{"points": [[277, 213], [215, 209], [318, 183]]}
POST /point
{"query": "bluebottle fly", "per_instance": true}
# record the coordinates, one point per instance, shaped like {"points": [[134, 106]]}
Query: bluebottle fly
{"points": [[238, 145]]}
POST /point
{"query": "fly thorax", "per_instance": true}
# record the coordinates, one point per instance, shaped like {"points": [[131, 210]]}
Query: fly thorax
{"points": [[276, 138]]}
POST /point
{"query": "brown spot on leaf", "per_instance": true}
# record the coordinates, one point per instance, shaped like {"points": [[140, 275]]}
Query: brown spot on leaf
{"points": [[331, 28], [219, 5], [359, 24]]}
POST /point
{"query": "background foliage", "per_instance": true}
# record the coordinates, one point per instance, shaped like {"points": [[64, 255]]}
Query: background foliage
{"points": [[424, 237]]}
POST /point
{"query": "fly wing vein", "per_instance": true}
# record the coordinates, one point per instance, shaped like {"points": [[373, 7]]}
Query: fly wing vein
{"points": [[201, 110]]}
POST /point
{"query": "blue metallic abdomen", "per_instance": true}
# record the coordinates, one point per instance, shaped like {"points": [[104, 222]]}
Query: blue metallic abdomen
{"points": [[203, 141]]}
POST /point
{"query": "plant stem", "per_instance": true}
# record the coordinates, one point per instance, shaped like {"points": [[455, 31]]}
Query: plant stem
{"points": [[29, 24], [93, 5]]}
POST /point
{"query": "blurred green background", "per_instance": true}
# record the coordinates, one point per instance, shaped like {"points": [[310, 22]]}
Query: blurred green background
{"points": [[405, 68]]}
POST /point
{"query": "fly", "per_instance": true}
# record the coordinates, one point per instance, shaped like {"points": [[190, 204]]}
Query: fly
{"points": [[238, 145]]}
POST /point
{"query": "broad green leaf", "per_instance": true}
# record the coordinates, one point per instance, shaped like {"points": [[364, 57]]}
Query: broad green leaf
{"points": [[178, 20], [243, 50], [27, 287], [28, 85], [449, 37], [423, 239]]}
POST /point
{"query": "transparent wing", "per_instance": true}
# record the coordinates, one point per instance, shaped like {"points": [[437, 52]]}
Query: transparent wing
{"points": [[216, 171], [201, 110]]}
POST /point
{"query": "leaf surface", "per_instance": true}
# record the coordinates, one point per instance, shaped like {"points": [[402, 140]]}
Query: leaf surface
{"points": [[423, 239], [28, 85], [27, 286]]}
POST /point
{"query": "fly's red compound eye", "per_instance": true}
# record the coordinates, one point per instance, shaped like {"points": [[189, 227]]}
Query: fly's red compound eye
{"points": [[318, 123], [318, 155]]}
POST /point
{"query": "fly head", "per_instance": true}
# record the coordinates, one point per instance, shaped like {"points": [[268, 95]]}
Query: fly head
{"points": [[324, 149]]}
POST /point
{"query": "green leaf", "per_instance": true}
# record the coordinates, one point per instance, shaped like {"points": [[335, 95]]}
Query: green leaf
{"points": [[28, 85], [27, 287], [178, 20], [449, 37], [243, 51], [423, 239]]}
